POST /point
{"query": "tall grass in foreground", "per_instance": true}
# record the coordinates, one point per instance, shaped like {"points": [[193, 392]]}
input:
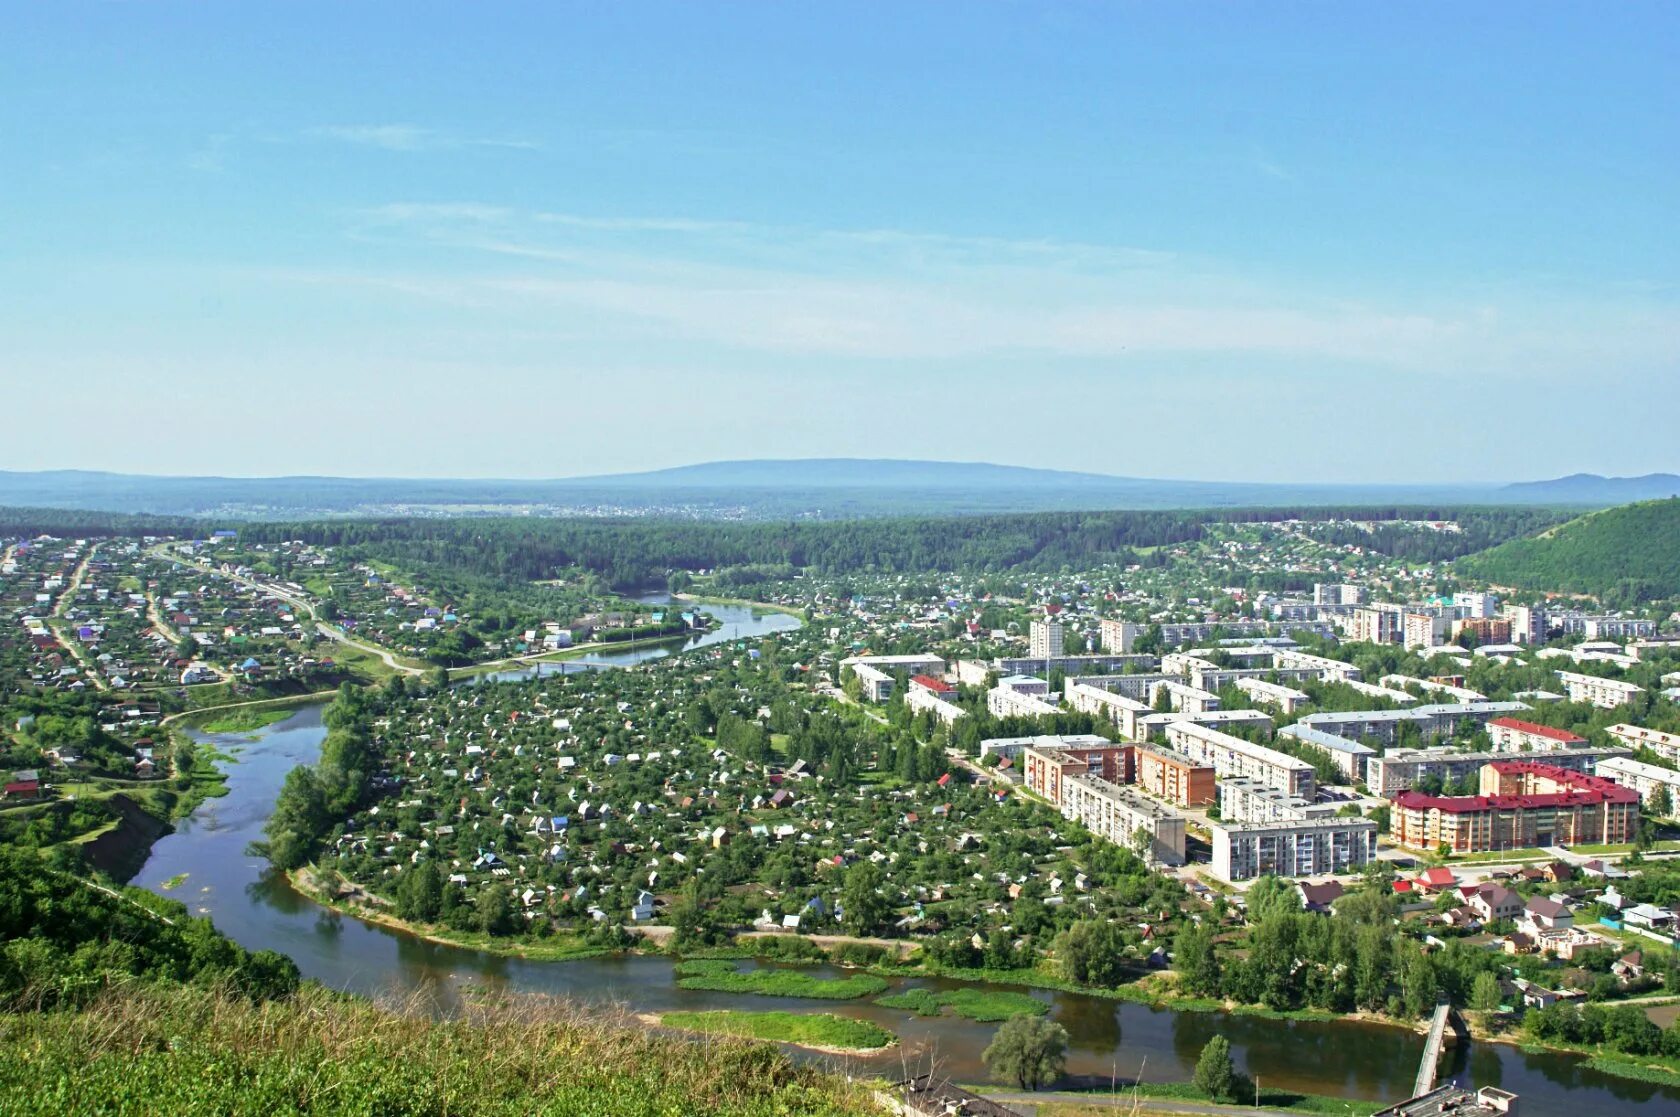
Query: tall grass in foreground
{"points": [[186, 1051]]}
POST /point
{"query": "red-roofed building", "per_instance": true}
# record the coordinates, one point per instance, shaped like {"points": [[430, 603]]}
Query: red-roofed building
{"points": [[1516, 735], [1522, 805], [1436, 880], [929, 683]]}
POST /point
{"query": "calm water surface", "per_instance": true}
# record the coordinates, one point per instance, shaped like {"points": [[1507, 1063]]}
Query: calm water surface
{"points": [[1108, 1038]]}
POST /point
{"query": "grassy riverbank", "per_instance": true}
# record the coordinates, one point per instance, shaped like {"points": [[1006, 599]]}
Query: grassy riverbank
{"points": [[189, 1051], [556, 948], [825, 1032], [242, 719], [723, 977]]}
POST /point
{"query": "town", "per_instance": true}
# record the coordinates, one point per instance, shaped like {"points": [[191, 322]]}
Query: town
{"points": [[1093, 779]]}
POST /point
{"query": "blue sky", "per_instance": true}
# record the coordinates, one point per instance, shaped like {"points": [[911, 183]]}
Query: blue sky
{"points": [[1422, 242]]}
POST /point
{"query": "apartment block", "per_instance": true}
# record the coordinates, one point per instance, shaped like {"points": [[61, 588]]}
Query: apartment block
{"points": [[1350, 756], [877, 684], [1477, 604], [1399, 769], [1174, 777], [1665, 745], [1285, 698], [1338, 593], [1641, 778], [1049, 759], [1329, 670], [1606, 694], [1245, 800], [1515, 735], [1528, 624], [1044, 639], [1232, 756], [1424, 630], [1184, 698], [1121, 815], [1522, 805], [1312, 847], [1376, 624]]}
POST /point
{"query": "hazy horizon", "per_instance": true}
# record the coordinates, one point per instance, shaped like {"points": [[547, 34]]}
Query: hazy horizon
{"points": [[1429, 245]]}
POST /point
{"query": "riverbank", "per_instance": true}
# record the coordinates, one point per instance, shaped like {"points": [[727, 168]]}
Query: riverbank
{"points": [[765, 606], [357, 903], [1152, 990], [1658, 1070]]}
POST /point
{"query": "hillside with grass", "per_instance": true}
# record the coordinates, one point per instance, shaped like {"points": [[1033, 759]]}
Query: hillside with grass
{"points": [[1623, 556], [116, 1001]]}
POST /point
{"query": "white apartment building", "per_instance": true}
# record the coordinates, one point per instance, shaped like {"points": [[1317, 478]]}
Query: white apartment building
{"points": [[1399, 697], [1375, 624], [1119, 813], [1528, 624], [1245, 800], [1338, 593], [877, 684], [1640, 777], [1606, 694], [1232, 757], [1350, 756], [1430, 686], [1424, 630], [1477, 604], [1665, 745], [1329, 670], [920, 699], [1184, 698], [1044, 639], [1098, 701], [1020, 696], [1150, 724], [1310, 847], [1285, 698]]}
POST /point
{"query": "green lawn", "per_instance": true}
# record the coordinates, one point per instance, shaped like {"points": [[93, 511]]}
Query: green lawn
{"points": [[824, 1030]]}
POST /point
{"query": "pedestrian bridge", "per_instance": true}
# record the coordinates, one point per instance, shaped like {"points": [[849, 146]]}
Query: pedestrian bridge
{"points": [[1433, 1049]]}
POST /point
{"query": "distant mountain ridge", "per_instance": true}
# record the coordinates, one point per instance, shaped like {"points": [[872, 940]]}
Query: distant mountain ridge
{"points": [[1593, 488], [824, 488], [856, 473]]}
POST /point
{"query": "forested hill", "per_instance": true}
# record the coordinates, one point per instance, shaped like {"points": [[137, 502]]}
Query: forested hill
{"points": [[638, 552], [1621, 555]]}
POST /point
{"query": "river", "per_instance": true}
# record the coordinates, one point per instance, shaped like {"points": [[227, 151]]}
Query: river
{"points": [[1108, 1038]]}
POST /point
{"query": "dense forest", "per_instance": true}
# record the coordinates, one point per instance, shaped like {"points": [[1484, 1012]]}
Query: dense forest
{"points": [[641, 552], [1624, 556]]}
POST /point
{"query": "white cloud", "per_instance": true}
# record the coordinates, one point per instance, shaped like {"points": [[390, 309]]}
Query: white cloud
{"points": [[408, 138], [891, 294]]}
